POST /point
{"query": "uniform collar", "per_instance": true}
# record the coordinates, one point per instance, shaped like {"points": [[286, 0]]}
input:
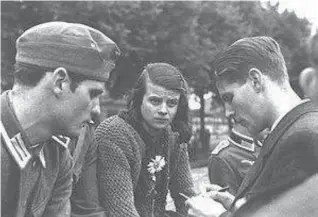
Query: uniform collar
{"points": [[15, 139], [62, 140], [12, 133], [243, 141]]}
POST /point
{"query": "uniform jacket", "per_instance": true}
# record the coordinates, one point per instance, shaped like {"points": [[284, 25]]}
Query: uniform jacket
{"points": [[84, 199], [35, 182], [126, 187], [231, 159], [289, 155]]}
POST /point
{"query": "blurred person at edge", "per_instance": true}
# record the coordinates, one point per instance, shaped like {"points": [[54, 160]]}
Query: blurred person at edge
{"points": [[233, 157], [60, 72], [143, 151], [302, 199], [308, 78], [252, 76]]}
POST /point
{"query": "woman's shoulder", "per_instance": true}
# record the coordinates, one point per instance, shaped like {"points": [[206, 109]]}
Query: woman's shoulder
{"points": [[117, 131], [113, 125]]}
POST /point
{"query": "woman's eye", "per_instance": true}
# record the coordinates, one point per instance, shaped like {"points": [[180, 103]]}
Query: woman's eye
{"points": [[155, 101]]}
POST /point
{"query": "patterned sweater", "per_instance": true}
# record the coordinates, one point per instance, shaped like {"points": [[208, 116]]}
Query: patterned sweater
{"points": [[125, 185]]}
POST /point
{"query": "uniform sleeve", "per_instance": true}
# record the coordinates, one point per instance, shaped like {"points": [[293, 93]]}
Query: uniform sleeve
{"points": [[85, 200], [181, 180], [221, 173], [59, 204], [115, 182]]}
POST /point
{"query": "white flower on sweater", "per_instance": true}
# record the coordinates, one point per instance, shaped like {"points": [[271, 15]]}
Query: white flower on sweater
{"points": [[156, 165]]}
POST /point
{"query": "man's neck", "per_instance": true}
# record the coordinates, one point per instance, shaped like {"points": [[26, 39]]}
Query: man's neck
{"points": [[242, 130], [33, 119], [282, 103]]}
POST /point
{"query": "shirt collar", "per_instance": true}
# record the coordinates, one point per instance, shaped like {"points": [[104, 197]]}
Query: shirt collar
{"points": [[37, 151]]}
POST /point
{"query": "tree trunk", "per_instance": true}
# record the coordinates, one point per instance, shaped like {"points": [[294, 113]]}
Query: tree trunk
{"points": [[202, 123]]}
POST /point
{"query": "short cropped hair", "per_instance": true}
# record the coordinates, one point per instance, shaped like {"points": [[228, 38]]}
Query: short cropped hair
{"points": [[263, 53], [29, 75], [169, 77]]}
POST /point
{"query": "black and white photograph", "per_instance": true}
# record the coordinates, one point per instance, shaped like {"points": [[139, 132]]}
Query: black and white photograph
{"points": [[159, 108]]}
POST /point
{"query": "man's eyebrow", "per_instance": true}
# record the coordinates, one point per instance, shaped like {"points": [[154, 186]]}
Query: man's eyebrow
{"points": [[173, 98], [154, 96]]}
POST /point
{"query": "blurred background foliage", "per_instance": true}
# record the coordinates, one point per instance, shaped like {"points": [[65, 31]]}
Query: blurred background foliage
{"points": [[184, 33], [187, 34]]}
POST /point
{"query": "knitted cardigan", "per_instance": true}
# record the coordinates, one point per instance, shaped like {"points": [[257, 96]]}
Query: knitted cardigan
{"points": [[125, 185]]}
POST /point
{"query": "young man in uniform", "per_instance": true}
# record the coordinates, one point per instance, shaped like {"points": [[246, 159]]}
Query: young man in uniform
{"points": [[60, 72], [233, 157], [252, 78]]}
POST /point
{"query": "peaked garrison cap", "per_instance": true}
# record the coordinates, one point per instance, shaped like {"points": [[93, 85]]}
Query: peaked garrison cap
{"points": [[76, 47]]}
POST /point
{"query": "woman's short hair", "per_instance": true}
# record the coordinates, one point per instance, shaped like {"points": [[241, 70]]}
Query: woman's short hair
{"points": [[169, 77]]}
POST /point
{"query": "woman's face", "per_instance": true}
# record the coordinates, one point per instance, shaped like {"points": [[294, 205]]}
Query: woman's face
{"points": [[159, 106]]}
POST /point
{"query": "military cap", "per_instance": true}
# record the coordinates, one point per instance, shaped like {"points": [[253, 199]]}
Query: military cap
{"points": [[76, 47]]}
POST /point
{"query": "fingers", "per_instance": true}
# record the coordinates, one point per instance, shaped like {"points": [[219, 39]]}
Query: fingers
{"points": [[192, 213], [225, 198], [213, 192], [212, 187], [204, 207]]}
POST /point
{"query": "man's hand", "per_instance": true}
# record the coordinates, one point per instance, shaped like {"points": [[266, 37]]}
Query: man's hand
{"points": [[201, 206], [225, 198]]}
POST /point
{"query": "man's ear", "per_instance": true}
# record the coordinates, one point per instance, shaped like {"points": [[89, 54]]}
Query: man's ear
{"points": [[60, 80], [308, 80], [255, 77]]}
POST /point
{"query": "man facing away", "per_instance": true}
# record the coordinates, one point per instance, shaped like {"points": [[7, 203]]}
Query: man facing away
{"points": [[60, 72], [252, 77], [233, 157]]}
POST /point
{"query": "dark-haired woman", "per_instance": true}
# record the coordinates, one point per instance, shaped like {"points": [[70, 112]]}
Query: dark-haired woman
{"points": [[143, 151]]}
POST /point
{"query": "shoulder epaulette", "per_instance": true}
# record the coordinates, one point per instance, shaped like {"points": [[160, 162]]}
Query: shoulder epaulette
{"points": [[222, 145], [16, 148], [62, 140]]}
